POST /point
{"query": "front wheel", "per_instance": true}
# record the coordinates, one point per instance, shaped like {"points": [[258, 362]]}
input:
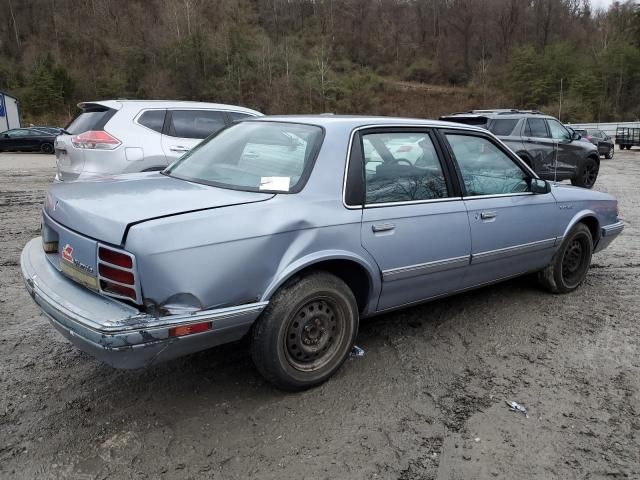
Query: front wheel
{"points": [[570, 264], [306, 332], [609, 154], [587, 174]]}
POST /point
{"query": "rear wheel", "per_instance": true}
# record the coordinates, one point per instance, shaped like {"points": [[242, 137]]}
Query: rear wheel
{"points": [[46, 148], [306, 332], [587, 174], [570, 264]]}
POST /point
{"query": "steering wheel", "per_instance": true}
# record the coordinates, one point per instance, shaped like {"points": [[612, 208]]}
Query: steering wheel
{"points": [[397, 161]]}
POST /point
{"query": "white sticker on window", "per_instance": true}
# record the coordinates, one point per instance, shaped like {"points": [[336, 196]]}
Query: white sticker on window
{"points": [[275, 183]]}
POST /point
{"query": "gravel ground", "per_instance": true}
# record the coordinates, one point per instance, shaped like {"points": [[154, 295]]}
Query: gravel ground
{"points": [[427, 401]]}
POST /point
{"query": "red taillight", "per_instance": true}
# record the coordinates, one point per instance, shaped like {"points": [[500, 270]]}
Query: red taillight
{"points": [[189, 329], [115, 258], [116, 289], [404, 148], [589, 137], [95, 140], [116, 274]]}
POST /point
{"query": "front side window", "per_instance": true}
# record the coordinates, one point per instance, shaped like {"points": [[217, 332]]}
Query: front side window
{"points": [[558, 132], [537, 128], [485, 169], [195, 123], [401, 167], [253, 156]]}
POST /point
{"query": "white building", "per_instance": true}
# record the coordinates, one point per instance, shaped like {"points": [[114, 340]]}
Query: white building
{"points": [[9, 112]]}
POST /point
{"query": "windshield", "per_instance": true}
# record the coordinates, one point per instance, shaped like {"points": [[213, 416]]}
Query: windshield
{"points": [[255, 156]]}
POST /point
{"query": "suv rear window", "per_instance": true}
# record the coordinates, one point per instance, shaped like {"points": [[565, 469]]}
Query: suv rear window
{"points": [[503, 126], [92, 118]]}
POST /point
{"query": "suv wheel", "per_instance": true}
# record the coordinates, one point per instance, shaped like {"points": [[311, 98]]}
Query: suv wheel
{"points": [[609, 154], [570, 264], [306, 332], [587, 174]]}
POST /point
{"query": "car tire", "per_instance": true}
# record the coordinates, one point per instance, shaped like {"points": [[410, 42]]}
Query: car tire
{"points": [[609, 154], [570, 264], [306, 332], [587, 175], [46, 148]]}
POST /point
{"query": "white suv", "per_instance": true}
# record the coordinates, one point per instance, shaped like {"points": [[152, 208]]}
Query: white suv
{"points": [[123, 136]]}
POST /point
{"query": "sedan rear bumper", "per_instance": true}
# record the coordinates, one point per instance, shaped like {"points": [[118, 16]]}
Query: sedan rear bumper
{"points": [[117, 333]]}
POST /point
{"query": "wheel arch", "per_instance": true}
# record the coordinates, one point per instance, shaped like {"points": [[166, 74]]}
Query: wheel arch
{"points": [[590, 219], [361, 277]]}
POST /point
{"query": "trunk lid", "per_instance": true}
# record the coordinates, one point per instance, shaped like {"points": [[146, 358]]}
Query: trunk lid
{"points": [[103, 209]]}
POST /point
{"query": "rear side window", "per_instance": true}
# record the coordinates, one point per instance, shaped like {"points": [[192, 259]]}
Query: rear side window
{"points": [[402, 167], [536, 127], [503, 126], [153, 119], [237, 116], [94, 118], [195, 123]]}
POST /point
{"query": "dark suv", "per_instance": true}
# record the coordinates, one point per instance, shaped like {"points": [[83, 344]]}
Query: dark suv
{"points": [[544, 143]]}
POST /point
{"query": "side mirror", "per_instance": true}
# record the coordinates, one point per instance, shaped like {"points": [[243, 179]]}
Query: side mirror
{"points": [[576, 136], [539, 186], [6, 135]]}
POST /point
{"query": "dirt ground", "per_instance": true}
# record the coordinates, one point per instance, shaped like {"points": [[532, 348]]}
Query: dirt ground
{"points": [[427, 400]]}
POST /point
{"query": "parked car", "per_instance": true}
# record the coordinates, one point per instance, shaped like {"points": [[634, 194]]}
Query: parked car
{"points": [[235, 240], [125, 136], [52, 130], [542, 142], [600, 139], [26, 140]]}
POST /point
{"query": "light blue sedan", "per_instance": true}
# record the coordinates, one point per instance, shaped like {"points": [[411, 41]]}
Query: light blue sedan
{"points": [[292, 229]]}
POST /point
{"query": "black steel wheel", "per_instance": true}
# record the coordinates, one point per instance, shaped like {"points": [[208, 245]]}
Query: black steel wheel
{"points": [[569, 266], [306, 332]]}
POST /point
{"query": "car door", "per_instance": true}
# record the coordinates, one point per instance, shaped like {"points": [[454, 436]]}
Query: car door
{"points": [[513, 231], [414, 222], [540, 146], [184, 129], [569, 151], [16, 139]]}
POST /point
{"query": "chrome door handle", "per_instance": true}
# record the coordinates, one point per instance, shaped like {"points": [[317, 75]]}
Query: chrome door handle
{"points": [[488, 215], [178, 148], [383, 227]]}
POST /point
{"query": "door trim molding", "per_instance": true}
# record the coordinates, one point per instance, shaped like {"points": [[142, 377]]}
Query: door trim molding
{"points": [[506, 252], [409, 271]]}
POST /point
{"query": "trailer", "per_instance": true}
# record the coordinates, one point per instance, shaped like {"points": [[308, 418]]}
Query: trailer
{"points": [[9, 112], [627, 137]]}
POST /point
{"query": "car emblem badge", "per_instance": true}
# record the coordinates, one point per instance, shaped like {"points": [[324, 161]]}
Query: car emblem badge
{"points": [[67, 253]]}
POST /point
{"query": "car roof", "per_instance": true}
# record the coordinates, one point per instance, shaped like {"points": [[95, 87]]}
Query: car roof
{"points": [[118, 104], [356, 121]]}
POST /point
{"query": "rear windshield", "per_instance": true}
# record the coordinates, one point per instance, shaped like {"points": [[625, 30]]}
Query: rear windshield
{"points": [[253, 156], [93, 118], [503, 126]]}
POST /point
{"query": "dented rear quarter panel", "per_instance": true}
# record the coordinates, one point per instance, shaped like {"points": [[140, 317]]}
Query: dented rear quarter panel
{"points": [[230, 256]]}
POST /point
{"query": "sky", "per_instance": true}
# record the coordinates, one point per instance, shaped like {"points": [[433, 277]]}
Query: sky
{"points": [[601, 3]]}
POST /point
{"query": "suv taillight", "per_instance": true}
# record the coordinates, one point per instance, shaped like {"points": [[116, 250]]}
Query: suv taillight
{"points": [[116, 273], [95, 140]]}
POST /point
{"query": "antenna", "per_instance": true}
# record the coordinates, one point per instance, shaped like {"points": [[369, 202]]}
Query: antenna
{"points": [[555, 161], [560, 107]]}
